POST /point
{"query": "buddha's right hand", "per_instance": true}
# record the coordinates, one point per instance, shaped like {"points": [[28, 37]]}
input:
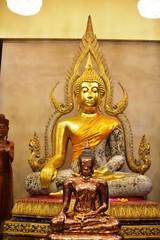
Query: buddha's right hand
{"points": [[48, 173], [61, 218]]}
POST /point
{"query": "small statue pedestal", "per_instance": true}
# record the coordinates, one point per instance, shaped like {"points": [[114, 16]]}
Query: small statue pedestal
{"points": [[140, 219], [78, 236]]}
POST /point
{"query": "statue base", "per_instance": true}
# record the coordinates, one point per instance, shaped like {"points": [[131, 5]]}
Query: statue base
{"points": [[140, 219], [83, 237]]}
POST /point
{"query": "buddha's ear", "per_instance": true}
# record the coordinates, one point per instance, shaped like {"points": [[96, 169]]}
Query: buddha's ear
{"points": [[75, 95], [6, 136], [78, 104], [100, 107], [100, 102]]}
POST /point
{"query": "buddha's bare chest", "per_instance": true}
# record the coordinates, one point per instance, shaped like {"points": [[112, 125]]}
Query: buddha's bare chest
{"points": [[86, 189]]}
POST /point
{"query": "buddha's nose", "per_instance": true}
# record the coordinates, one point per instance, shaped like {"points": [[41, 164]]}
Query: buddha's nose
{"points": [[89, 96]]}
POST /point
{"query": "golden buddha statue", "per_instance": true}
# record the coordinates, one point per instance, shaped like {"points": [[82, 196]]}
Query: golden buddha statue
{"points": [[91, 201], [110, 137]]}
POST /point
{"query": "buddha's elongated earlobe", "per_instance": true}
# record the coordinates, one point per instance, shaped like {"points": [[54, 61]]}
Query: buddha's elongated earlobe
{"points": [[78, 104], [78, 107], [6, 136], [100, 103], [100, 107]]}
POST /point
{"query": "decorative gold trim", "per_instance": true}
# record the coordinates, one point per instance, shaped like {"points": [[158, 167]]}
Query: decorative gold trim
{"points": [[42, 230], [52, 208], [27, 228], [38, 208], [141, 232], [135, 211]]}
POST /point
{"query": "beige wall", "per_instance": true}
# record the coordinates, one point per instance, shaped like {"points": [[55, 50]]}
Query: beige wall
{"points": [[112, 19], [29, 70]]}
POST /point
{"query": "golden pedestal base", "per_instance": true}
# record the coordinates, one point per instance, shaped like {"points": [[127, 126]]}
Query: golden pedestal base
{"points": [[140, 219]]}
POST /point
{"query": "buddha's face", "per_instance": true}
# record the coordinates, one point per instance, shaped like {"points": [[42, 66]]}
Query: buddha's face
{"points": [[89, 95], [86, 166], [3, 130]]}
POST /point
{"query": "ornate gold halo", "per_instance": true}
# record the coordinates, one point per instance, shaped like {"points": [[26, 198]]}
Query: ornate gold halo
{"points": [[89, 46]]}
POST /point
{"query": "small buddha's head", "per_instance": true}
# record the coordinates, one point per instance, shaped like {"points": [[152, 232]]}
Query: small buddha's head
{"points": [[4, 126], [86, 161], [89, 88]]}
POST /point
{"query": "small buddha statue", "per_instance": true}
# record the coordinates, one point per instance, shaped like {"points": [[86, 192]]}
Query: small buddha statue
{"points": [[91, 201], [6, 158]]}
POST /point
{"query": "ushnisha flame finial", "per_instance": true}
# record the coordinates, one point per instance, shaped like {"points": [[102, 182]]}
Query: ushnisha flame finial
{"points": [[89, 64], [89, 73], [89, 30], [4, 120], [87, 152]]}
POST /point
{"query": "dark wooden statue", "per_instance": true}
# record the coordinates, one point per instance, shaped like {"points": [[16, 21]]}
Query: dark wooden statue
{"points": [[6, 158]]}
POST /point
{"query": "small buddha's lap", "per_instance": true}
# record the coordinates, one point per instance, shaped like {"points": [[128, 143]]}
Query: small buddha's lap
{"points": [[101, 222]]}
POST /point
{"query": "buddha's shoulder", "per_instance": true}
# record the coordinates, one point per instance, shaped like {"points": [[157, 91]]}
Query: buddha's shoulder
{"points": [[70, 120], [108, 119], [78, 119], [99, 182], [70, 180]]}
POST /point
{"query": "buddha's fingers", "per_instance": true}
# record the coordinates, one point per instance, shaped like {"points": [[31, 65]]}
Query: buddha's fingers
{"points": [[54, 174], [45, 178]]}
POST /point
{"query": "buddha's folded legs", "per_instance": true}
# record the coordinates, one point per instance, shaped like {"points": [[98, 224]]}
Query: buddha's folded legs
{"points": [[101, 223], [132, 185]]}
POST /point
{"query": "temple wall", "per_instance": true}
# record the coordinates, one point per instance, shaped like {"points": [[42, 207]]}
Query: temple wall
{"points": [[29, 69], [66, 20]]}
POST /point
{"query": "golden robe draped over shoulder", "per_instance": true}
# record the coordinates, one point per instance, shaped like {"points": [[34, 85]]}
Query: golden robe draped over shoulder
{"points": [[95, 129]]}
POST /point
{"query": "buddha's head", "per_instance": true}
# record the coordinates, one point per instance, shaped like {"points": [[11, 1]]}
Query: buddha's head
{"points": [[4, 126], [89, 88], [86, 161]]}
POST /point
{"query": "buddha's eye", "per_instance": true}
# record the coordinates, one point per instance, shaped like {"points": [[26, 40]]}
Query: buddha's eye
{"points": [[2, 126], [95, 89], [85, 89]]}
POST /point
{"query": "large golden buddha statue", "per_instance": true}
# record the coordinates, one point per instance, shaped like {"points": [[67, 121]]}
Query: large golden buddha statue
{"points": [[110, 137]]}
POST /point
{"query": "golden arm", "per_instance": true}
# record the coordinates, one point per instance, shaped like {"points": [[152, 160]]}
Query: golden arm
{"points": [[49, 171]]}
